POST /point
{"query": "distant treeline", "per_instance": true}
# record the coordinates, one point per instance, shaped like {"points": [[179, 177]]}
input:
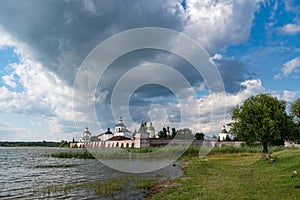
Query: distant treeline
{"points": [[63, 143]]}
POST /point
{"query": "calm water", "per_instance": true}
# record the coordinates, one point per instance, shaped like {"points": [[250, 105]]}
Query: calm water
{"points": [[22, 178]]}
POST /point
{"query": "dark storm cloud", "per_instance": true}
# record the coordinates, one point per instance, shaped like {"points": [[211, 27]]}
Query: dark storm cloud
{"points": [[61, 33], [233, 73], [136, 58]]}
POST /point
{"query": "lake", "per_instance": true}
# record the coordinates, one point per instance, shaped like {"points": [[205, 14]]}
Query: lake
{"points": [[29, 173]]}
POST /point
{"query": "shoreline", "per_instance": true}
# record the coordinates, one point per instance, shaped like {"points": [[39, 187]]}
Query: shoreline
{"points": [[165, 183]]}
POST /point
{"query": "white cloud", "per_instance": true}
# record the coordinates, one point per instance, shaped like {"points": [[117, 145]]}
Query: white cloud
{"points": [[9, 80], [214, 103], [252, 87], [10, 132], [43, 95], [291, 66], [289, 96], [215, 24], [5, 39], [217, 56], [290, 29]]}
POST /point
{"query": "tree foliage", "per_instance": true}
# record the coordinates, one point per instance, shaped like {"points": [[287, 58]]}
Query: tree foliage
{"points": [[295, 114], [44, 143], [174, 132], [199, 136], [163, 133], [262, 118], [295, 110], [184, 133]]}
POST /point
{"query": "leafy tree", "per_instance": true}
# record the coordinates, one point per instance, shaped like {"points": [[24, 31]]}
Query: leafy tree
{"points": [[173, 133], [295, 110], [261, 118], [163, 133], [185, 133], [228, 138], [295, 114], [199, 136], [63, 143]]}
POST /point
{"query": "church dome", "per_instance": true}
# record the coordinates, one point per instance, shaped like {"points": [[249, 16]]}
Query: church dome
{"points": [[120, 122], [223, 130], [86, 131]]}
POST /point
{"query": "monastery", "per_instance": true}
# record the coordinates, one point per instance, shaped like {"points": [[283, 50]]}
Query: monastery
{"points": [[121, 137], [145, 136]]}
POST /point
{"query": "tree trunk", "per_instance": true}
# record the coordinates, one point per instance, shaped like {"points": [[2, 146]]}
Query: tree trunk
{"points": [[265, 147]]}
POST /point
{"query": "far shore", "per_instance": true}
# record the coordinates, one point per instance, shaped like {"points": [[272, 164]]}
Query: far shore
{"points": [[43, 143]]}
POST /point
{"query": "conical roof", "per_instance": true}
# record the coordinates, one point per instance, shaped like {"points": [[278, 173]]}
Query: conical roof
{"points": [[142, 128]]}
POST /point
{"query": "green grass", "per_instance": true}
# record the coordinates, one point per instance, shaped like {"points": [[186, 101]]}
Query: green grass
{"points": [[244, 149], [82, 154], [237, 176], [108, 186], [147, 183], [156, 152]]}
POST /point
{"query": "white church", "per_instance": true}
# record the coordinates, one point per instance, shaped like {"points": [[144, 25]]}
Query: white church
{"points": [[223, 134], [121, 130]]}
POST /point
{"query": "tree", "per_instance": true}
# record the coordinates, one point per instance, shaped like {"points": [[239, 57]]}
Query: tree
{"points": [[295, 110], [214, 137], [163, 133], [185, 133], [63, 143], [295, 114], [199, 136], [174, 132], [228, 138], [261, 118]]}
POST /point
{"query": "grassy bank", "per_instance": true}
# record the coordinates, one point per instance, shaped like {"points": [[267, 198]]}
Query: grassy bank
{"points": [[81, 154], [156, 151], [236, 176]]}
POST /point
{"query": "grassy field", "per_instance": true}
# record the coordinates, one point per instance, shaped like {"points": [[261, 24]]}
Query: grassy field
{"points": [[236, 176]]}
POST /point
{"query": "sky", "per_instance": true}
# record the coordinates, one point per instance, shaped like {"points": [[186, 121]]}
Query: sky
{"points": [[51, 86]]}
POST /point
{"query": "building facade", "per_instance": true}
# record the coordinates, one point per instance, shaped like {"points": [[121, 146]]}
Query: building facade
{"points": [[121, 138], [223, 134], [105, 136], [86, 134], [121, 130]]}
